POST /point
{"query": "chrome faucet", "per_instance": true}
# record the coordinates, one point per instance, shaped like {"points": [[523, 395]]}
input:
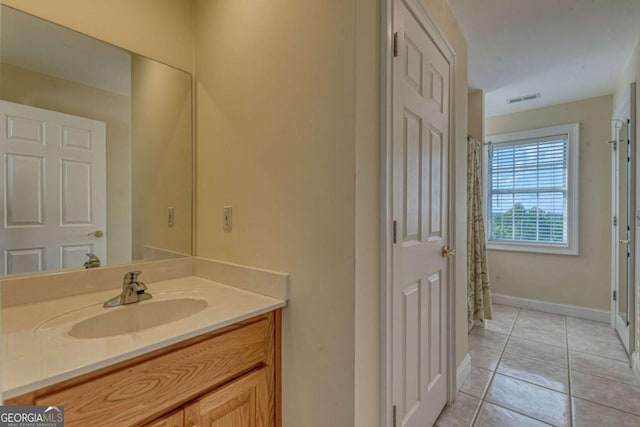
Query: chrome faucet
{"points": [[132, 291]]}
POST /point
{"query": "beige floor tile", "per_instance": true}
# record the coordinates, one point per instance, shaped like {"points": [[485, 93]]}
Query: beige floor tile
{"points": [[484, 357], [536, 372], [494, 416], [539, 317], [535, 333], [500, 326], [589, 328], [615, 394], [589, 414], [529, 399], [555, 355], [482, 336], [461, 413], [599, 347], [477, 382], [531, 382], [503, 320], [603, 367]]}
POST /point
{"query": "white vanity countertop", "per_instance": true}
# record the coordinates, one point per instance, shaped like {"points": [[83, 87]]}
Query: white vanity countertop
{"points": [[37, 350]]}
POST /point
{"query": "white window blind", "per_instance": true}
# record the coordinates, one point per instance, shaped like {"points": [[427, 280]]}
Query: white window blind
{"points": [[528, 188]]}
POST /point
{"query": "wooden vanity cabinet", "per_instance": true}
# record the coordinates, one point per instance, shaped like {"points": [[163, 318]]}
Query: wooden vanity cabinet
{"points": [[226, 378], [175, 419], [241, 403]]}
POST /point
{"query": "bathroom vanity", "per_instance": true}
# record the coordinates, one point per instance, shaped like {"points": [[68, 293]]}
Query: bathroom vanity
{"points": [[228, 377], [213, 362]]}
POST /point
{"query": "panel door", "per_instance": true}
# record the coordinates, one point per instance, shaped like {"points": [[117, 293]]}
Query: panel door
{"points": [[420, 209], [243, 403], [53, 189]]}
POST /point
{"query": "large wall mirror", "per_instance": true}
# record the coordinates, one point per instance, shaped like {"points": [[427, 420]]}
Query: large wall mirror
{"points": [[96, 148]]}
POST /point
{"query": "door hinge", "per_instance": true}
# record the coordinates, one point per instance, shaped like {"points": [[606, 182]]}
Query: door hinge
{"points": [[395, 232], [615, 295], [395, 44], [394, 415], [615, 221]]}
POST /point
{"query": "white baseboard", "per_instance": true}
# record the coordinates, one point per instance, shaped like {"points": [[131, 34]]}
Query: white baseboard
{"points": [[552, 307], [635, 362], [463, 371]]}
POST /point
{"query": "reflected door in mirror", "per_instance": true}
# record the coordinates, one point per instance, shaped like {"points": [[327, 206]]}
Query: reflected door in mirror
{"points": [[54, 189]]}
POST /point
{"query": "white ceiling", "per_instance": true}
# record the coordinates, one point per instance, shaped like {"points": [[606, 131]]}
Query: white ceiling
{"points": [[565, 49], [41, 46]]}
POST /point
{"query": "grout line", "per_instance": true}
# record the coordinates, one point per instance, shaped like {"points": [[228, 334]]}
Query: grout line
{"points": [[608, 406], [566, 334], [601, 356], [595, 374], [493, 374], [535, 384], [519, 413]]}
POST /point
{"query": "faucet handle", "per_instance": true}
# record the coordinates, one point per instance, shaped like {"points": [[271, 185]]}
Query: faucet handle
{"points": [[93, 261], [131, 277]]}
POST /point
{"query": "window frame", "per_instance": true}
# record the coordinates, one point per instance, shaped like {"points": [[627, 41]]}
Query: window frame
{"points": [[572, 131]]}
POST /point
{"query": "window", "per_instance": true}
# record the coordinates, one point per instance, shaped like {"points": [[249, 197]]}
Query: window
{"points": [[531, 196]]}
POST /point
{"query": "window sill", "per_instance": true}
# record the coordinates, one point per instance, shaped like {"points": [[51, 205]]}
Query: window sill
{"points": [[532, 248]]}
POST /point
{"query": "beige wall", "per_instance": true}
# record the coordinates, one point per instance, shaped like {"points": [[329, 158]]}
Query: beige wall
{"points": [[276, 140], [162, 157], [579, 280], [159, 29], [43, 91], [632, 74], [476, 117], [367, 216]]}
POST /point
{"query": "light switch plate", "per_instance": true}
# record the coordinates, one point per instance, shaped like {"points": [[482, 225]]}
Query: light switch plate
{"points": [[226, 218], [170, 216]]}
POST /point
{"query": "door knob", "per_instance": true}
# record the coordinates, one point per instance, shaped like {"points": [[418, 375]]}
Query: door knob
{"points": [[97, 233], [624, 242], [447, 252]]}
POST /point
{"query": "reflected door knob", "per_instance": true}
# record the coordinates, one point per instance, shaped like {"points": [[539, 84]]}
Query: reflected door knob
{"points": [[97, 233], [447, 252]]}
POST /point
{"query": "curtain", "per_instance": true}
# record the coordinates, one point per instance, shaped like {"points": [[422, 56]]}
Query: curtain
{"points": [[478, 289]]}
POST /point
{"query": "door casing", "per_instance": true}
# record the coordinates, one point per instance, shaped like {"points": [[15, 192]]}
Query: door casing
{"points": [[386, 224]]}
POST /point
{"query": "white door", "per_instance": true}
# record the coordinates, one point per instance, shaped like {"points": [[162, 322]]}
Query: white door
{"points": [[420, 211], [53, 181], [624, 223]]}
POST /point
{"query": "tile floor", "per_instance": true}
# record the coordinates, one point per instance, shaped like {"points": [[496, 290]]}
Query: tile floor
{"points": [[530, 368]]}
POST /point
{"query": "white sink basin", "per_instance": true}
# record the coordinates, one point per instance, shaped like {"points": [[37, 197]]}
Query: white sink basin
{"points": [[136, 317], [95, 321]]}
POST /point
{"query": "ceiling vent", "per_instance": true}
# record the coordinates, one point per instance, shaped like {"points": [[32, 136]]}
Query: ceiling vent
{"points": [[524, 98]]}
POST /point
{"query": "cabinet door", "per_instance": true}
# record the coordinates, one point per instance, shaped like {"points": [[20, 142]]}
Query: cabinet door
{"points": [[242, 403], [176, 419]]}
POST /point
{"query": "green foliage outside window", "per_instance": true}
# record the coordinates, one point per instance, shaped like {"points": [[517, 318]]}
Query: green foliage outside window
{"points": [[533, 224]]}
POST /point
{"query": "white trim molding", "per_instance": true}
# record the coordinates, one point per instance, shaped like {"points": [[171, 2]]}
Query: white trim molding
{"points": [[463, 371], [581, 312]]}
